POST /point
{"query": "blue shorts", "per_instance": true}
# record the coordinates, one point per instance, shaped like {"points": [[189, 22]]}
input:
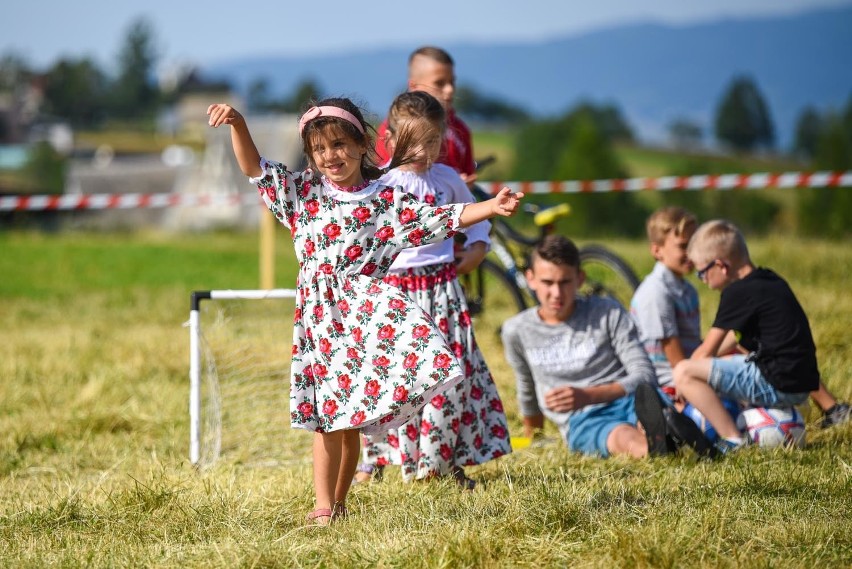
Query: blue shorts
{"points": [[588, 430], [738, 379]]}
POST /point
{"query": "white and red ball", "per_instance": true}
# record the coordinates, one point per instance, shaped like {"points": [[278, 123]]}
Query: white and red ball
{"points": [[770, 427]]}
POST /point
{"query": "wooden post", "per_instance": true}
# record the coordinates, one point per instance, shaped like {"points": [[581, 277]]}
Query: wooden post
{"points": [[267, 249]]}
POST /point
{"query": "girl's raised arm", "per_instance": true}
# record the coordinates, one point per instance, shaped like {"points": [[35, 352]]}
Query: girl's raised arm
{"points": [[505, 203], [244, 149]]}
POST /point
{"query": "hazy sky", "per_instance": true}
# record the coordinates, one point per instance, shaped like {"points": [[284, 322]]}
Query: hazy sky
{"points": [[203, 32]]}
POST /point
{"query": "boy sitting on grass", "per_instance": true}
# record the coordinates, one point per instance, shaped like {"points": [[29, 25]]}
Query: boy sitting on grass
{"points": [[761, 309], [578, 361], [665, 306]]}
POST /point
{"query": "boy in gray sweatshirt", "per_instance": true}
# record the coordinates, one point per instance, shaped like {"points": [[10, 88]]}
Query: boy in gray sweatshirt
{"points": [[577, 360]]}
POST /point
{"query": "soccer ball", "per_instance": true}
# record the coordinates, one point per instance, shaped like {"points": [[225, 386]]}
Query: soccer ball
{"points": [[699, 419], [773, 427]]}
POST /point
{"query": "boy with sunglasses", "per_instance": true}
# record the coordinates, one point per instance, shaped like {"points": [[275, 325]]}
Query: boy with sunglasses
{"points": [[780, 369]]}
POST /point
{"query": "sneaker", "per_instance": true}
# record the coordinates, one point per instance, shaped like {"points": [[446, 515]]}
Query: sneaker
{"points": [[368, 473], [684, 431], [725, 446], [837, 415], [649, 412]]}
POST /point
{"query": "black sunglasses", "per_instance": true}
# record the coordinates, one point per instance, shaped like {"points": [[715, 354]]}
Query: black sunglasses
{"points": [[701, 272]]}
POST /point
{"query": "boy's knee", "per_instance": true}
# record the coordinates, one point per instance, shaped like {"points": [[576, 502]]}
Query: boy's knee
{"points": [[680, 373]]}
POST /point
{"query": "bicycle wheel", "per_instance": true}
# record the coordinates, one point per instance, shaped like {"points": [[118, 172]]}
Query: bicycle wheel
{"points": [[607, 274], [492, 297]]}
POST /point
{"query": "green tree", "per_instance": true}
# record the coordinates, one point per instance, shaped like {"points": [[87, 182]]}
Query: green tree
{"points": [[685, 134], [578, 146], [75, 91], [15, 73], [743, 121], [307, 90], [847, 119], [808, 129], [134, 94], [540, 146], [587, 155], [48, 167], [607, 118], [828, 211], [257, 96]]}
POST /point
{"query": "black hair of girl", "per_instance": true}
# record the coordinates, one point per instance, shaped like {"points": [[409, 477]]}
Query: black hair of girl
{"points": [[319, 126], [405, 122]]}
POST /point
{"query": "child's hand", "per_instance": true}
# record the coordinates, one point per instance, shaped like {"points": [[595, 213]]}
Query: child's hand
{"points": [[506, 202], [468, 259], [221, 113]]}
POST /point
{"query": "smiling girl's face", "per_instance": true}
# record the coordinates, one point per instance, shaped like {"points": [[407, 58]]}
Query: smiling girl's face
{"points": [[338, 156]]}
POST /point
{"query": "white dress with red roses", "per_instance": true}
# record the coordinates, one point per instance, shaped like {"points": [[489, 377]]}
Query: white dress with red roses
{"points": [[466, 425], [364, 356]]}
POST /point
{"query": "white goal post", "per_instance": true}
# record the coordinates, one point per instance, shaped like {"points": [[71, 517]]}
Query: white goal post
{"points": [[196, 370]]}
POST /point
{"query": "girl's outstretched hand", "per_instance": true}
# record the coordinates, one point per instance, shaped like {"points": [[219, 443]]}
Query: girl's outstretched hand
{"points": [[221, 113], [506, 202]]}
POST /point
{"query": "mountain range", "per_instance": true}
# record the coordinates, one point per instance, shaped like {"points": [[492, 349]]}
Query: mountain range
{"points": [[654, 73]]}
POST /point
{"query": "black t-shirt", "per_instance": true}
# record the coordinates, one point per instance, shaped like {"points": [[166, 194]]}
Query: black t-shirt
{"points": [[770, 323]]}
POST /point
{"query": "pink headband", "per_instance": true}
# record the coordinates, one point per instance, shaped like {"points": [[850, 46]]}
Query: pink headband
{"points": [[329, 111]]}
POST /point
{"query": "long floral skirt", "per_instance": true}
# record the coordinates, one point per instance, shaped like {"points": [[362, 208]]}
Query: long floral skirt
{"points": [[465, 425]]}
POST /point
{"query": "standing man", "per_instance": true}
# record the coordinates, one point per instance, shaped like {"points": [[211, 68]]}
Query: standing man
{"points": [[431, 69]]}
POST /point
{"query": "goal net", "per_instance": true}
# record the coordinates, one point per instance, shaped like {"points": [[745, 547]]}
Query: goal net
{"points": [[240, 344]]}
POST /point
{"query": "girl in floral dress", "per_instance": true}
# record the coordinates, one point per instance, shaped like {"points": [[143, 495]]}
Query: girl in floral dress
{"points": [[465, 425], [365, 358]]}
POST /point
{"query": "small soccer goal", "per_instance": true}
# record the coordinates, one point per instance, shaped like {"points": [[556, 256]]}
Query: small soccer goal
{"points": [[239, 370]]}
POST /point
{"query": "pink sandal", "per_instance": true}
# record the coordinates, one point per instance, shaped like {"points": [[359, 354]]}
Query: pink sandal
{"points": [[320, 513]]}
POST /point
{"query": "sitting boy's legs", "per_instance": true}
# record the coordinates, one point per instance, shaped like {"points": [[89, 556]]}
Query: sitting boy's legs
{"points": [[692, 381], [607, 429], [739, 379], [703, 381]]}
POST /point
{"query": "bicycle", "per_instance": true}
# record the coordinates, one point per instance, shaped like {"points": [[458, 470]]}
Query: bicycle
{"points": [[497, 289]]}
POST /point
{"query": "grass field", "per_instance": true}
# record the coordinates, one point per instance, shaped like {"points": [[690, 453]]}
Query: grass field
{"points": [[94, 442]]}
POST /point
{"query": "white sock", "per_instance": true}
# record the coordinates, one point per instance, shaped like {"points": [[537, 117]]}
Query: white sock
{"points": [[737, 441]]}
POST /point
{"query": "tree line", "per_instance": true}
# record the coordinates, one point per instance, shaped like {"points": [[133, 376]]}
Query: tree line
{"points": [[579, 144]]}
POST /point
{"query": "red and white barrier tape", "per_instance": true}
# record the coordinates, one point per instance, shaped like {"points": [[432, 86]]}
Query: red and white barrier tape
{"points": [[121, 201], [665, 183], [679, 183]]}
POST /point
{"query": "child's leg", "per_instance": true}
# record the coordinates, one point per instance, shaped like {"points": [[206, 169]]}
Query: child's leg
{"points": [[348, 463], [627, 439], [328, 452], [691, 380], [823, 398]]}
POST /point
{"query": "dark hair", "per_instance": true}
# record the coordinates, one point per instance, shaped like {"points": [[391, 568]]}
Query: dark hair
{"points": [[322, 124], [432, 52], [412, 118], [558, 250]]}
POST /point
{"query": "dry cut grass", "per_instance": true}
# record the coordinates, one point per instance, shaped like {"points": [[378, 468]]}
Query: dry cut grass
{"points": [[94, 431]]}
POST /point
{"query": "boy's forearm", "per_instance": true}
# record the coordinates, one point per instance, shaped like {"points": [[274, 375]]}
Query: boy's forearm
{"points": [[673, 350], [709, 348]]}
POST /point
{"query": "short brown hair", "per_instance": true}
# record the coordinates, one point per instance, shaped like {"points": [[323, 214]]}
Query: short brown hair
{"points": [[671, 219], [432, 52], [558, 250]]}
